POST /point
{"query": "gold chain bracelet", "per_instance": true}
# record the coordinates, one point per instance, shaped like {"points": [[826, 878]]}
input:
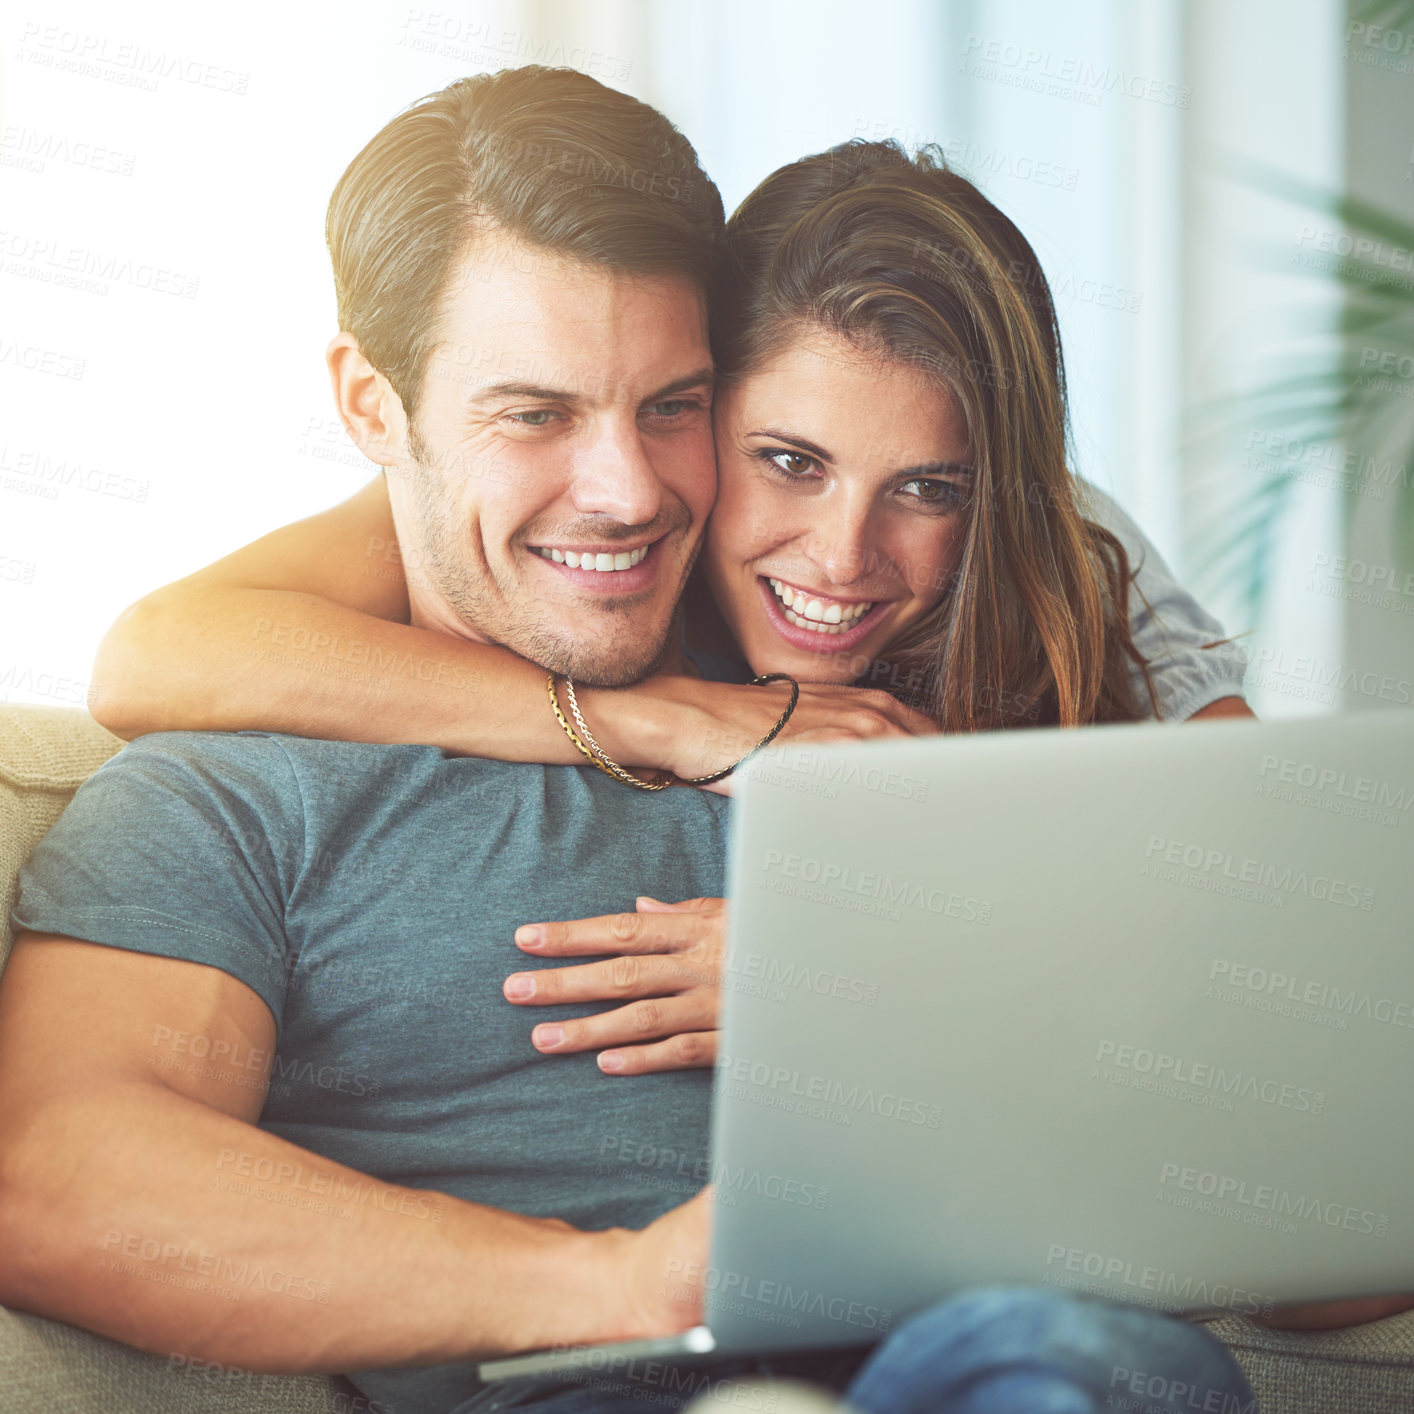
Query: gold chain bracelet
{"points": [[597, 756], [569, 730], [584, 751], [606, 762]]}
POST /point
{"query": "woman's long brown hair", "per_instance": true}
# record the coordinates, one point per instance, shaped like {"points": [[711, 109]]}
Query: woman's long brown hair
{"points": [[910, 262]]}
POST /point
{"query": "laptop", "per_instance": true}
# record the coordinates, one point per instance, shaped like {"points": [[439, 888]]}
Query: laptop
{"points": [[1126, 1011]]}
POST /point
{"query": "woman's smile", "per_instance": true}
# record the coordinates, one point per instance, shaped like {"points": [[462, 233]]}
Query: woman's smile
{"points": [[816, 622], [842, 483]]}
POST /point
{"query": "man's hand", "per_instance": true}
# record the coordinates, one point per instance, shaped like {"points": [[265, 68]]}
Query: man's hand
{"points": [[668, 969], [666, 1268]]}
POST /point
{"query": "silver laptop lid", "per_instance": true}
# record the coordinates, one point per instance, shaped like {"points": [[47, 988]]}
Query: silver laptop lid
{"points": [[1127, 1010]]}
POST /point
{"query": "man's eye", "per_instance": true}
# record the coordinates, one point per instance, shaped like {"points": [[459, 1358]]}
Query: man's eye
{"points": [[536, 417], [792, 463], [671, 407]]}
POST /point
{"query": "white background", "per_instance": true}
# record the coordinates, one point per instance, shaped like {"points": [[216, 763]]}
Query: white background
{"points": [[203, 416]]}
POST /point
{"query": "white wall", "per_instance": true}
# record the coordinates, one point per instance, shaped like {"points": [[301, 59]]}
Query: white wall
{"points": [[1374, 586], [1268, 89], [202, 415]]}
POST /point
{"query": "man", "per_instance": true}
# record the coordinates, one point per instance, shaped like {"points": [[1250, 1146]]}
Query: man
{"points": [[216, 915]]}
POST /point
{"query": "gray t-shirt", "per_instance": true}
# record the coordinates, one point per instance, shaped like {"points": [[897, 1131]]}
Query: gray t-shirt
{"points": [[369, 895]]}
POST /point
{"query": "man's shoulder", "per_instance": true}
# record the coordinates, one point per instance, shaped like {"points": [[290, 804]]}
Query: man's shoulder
{"points": [[265, 764], [215, 751], [250, 764], [333, 778], [194, 754], [169, 776], [195, 748]]}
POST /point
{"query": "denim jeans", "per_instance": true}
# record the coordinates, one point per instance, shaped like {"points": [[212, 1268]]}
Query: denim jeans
{"points": [[991, 1351]]}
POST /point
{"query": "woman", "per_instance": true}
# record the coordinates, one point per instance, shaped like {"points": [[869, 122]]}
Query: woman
{"points": [[894, 507]]}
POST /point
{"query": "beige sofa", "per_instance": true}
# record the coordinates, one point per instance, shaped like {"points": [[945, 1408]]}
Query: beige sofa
{"points": [[46, 1366]]}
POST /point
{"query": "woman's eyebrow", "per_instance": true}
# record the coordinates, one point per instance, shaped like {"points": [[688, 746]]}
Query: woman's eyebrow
{"points": [[777, 435], [922, 469], [936, 469]]}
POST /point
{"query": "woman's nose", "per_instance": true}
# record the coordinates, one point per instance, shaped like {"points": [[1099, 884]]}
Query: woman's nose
{"points": [[843, 549]]}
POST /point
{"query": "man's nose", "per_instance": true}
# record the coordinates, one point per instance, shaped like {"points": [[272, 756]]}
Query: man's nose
{"points": [[613, 475]]}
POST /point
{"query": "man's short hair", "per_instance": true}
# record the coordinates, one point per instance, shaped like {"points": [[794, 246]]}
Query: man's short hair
{"points": [[550, 156]]}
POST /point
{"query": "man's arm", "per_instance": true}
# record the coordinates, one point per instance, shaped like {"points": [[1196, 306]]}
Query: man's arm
{"points": [[121, 1209], [238, 646]]}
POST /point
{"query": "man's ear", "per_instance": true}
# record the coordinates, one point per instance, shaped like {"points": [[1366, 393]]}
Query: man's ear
{"points": [[372, 413]]}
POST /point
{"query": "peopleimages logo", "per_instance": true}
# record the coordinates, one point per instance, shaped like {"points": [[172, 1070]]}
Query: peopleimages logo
{"points": [[1176, 1394], [1343, 783], [722, 1284], [786, 1084], [1188, 1293], [828, 766], [321, 1183], [99, 56], [776, 975], [54, 261], [698, 1170], [1220, 867], [65, 473], [879, 888], [1265, 1198], [1080, 77], [1309, 992], [1177, 1070], [173, 1264], [1272, 668], [1314, 454]]}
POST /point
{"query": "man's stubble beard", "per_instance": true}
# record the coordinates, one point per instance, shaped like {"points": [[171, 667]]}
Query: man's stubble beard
{"points": [[496, 611]]}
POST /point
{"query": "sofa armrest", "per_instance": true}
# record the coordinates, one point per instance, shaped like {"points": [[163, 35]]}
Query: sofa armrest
{"points": [[46, 753], [1366, 1369], [46, 1366]]}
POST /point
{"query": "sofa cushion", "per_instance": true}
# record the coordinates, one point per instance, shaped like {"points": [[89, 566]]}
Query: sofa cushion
{"points": [[47, 1366], [1366, 1369]]}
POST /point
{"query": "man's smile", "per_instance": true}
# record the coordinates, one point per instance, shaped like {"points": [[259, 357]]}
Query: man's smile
{"points": [[603, 568], [591, 558]]}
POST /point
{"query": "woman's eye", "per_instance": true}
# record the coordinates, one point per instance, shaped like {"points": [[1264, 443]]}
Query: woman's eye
{"points": [[792, 463], [937, 493]]}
